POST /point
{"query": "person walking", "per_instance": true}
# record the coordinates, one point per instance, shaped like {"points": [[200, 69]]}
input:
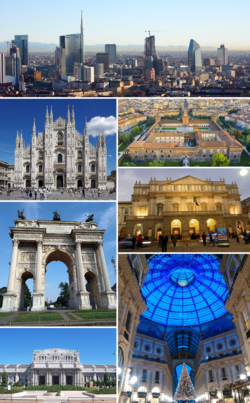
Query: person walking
{"points": [[237, 237], [30, 194], [133, 242], [212, 238], [83, 193], [35, 194], [92, 191], [164, 242], [204, 237], [139, 241], [174, 239], [160, 241]]}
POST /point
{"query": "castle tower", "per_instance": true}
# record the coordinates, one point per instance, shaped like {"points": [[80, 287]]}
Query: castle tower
{"points": [[185, 117]]}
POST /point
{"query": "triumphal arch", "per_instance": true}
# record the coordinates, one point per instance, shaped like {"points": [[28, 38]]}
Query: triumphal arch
{"points": [[77, 244]]}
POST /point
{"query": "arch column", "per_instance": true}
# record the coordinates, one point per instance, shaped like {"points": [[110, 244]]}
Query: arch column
{"points": [[83, 294], [38, 295], [9, 298], [108, 296]]}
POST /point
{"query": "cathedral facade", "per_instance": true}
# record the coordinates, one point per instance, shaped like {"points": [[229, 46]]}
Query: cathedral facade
{"points": [[60, 156]]}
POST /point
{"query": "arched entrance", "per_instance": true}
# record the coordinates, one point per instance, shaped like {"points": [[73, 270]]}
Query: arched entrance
{"points": [[27, 183], [176, 228], [194, 228], [59, 181], [158, 230], [79, 183], [40, 183], [211, 225], [23, 302], [92, 288], [93, 184]]}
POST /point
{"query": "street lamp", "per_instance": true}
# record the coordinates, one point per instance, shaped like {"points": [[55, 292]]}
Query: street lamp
{"points": [[133, 380], [242, 376]]}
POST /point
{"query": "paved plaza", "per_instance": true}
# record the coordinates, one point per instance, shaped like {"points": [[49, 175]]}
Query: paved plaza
{"points": [[193, 246], [57, 195]]}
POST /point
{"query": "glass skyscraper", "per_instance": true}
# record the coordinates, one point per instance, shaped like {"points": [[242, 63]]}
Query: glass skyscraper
{"points": [[194, 56], [22, 43], [111, 50], [69, 52]]}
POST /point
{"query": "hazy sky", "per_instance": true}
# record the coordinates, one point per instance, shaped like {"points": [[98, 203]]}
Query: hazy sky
{"points": [[96, 346], [128, 176], [104, 214], [209, 23], [16, 114]]}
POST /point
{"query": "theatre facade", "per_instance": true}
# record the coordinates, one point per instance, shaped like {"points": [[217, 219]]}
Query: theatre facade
{"points": [[184, 206], [56, 367]]}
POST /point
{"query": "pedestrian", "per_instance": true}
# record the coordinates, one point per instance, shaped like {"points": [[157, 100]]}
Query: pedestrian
{"points": [[30, 194], [212, 238], [92, 191], [139, 241], [164, 242], [27, 193], [35, 194], [160, 241], [204, 237], [133, 242], [83, 193], [99, 193], [237, 237], [174, 239]]}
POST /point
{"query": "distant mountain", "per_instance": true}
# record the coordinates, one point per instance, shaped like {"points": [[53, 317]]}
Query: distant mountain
{"points": [[50, 47]]}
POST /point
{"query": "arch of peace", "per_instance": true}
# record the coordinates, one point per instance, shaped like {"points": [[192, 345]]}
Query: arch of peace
{"points": [[56, 367], [79, 245]]}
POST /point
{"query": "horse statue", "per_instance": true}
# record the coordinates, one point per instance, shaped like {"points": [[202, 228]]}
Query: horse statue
{"points": [[20, 215], [90, 217], [56, 216]]}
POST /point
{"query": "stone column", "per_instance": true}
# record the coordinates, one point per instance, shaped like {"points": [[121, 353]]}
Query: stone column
{"points": [[104, 267], [39, 266], [81, 277], [11, 282]]}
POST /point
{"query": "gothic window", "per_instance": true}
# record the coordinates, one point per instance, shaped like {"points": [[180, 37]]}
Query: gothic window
{"points": [[40, 155], [59, 158], [60, 139], [79, 168], [79, 155], [92, 168], [40, 168], [27, 168]]}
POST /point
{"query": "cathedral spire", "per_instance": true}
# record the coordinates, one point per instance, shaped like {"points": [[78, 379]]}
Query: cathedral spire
{"points": [[68, 115], [21, 139], [86, 134], [51, 115], [99, 140], [47, 116], [73, 115], [34, 127], [103, 140], [17, 139]]}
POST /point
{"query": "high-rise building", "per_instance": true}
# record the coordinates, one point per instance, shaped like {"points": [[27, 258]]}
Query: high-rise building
{"points": [[69, 51], [150, 74], [99, 69], [222, 55], [150, 46], [12, 63], [194, 56], [103, 58], [208, 61], [2, 68], [88, 74], [22, 43], [111, 50]]}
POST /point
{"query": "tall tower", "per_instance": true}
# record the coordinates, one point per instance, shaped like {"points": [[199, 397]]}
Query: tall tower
{"points": [[86, 152], [185, 117], [102, 162], [81, 42]]}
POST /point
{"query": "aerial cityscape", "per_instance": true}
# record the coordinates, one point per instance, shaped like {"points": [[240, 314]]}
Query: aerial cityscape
{"points": [[69, 70], [208, 132]]}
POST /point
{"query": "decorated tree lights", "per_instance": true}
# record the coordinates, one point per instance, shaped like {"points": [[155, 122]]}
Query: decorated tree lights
{"points": [[185, 390]]}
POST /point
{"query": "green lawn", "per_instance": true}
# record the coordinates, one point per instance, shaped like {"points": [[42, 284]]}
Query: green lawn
{"points": [[35, 317], [123, 146], [69, 316], [146, 164], [57, 388], [96, 315], [3, 315], [92, 310]]}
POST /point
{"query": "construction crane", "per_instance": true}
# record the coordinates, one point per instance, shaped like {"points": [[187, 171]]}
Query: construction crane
{"points": [[156, 31]]}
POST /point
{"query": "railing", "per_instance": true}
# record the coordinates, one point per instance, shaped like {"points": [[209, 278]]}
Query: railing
{"points": [[65, 322], [217, 357]]}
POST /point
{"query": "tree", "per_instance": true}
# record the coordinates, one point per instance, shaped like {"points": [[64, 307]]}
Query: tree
{"points": [[246, 132], [2, 291], [27, 296], [4, 379], [248, 146], [129, 164], [220, 160], [63, 298], [237, 134], [156, 163], [185, 389], [106, 379]]}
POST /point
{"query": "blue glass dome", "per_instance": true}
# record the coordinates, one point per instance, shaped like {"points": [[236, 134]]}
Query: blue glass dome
{"points": [[184, 290]]}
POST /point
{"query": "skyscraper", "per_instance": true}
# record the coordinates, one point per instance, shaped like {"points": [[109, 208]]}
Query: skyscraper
{"points": [[150, 46], [22, 42], [194, 56], [111, 50], [222, 55], [2, 68], [13, 62], [103, 58], [69, 51]]}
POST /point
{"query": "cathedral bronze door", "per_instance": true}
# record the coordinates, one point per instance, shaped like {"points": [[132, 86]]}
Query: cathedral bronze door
{"points": [[92, 183], [59, 181]]}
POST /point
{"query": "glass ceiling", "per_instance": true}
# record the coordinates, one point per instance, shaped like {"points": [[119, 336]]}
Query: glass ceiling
{"points": [[183, 340], [184, 290]]}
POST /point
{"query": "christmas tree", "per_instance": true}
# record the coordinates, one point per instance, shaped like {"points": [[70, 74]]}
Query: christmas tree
{"points": [[185, 389]]}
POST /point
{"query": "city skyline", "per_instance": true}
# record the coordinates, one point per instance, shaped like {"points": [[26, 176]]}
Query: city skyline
{"points": [[222, 32]]}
